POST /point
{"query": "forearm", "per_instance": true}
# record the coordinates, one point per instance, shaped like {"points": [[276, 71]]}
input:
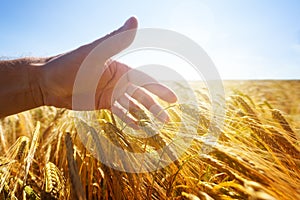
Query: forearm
{"points": [[19, 86]]}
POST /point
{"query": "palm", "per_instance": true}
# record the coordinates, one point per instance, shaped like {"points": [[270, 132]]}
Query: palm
{"points": [[108, 82]]}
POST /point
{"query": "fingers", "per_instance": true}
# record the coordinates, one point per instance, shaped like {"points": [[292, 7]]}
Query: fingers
{"points": [[162, 91], [148, 102], [124, 116], [131, 90], [139, 78], [127, 103]]}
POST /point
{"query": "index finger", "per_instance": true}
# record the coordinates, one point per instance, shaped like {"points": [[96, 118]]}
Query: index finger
{"points": [[141, 79], [161, 91]]}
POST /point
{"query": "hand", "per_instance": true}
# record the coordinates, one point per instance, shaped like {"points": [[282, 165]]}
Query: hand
{"points": [[119, 87]]}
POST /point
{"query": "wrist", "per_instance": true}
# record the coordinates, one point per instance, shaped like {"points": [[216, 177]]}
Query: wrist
{"points": [[35, 74]]}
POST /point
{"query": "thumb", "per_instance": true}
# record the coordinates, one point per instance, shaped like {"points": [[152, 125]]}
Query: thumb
{"points": [[117, 40]]}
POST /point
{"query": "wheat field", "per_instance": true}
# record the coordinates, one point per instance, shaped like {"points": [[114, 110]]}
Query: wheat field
{"points": [[257, 155]]}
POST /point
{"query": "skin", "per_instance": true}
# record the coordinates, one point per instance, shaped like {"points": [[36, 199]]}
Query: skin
{"points": [[32, 82]]}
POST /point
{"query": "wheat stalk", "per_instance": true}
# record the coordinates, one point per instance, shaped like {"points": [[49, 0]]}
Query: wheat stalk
{"points": [[73, 169], [33, 147]]}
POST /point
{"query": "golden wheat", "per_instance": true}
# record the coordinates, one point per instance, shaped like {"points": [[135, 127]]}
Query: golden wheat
{"points": [[256, 156], [277, 116], [54, 182], [73, 169]]}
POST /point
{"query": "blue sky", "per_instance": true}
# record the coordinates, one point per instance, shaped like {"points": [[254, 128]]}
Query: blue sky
{"points": [[250, 39]]}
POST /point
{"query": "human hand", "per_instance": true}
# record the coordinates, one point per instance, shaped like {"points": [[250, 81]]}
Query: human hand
{"points": [[119, 87]]}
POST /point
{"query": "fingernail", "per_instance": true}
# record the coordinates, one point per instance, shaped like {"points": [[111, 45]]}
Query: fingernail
{"points": [[131, 23]]}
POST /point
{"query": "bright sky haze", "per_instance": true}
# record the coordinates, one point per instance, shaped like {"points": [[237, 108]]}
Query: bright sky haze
{"points": [[250, 39]]}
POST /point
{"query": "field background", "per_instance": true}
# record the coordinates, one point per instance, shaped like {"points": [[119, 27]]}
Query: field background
{"points": [[257, 155]]}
